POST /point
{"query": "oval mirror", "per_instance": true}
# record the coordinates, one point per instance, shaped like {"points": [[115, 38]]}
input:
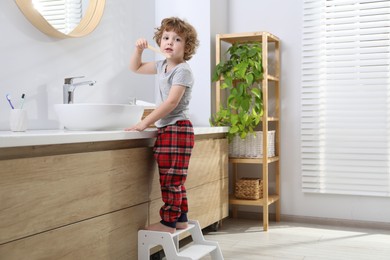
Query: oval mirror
{"points": [[63, 18]]}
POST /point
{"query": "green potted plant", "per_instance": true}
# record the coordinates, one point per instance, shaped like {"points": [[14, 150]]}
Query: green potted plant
{"points": [[240, 75]]}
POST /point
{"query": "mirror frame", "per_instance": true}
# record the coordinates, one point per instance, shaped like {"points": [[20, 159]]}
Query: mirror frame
{"points": [[89, 22]]}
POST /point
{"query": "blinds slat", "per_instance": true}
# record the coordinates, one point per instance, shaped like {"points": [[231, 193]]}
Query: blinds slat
{"points": [[345, 94], [62, 15]]}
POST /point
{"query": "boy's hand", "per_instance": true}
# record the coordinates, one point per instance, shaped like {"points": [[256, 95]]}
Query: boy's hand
{"points": [[141, 44], [138, 127]]}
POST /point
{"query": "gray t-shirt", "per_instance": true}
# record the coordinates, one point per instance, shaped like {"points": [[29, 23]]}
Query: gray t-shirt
{"points": [[179, 75]]}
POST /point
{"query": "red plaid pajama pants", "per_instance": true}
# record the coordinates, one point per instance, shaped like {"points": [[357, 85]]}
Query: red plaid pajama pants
{"points": [[172, 151]]}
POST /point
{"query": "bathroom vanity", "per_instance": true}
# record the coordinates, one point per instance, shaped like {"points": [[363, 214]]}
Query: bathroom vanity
{"points": [[85, 195]]}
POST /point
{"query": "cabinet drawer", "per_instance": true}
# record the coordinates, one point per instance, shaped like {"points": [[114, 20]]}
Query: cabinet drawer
{"points": [[42, 193]]}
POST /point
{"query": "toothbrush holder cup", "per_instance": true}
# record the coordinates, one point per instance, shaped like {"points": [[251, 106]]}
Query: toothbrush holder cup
{"points": [[18, 120]]}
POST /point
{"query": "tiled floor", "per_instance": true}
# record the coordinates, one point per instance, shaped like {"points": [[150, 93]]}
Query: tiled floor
{"points": [[245, 239]]}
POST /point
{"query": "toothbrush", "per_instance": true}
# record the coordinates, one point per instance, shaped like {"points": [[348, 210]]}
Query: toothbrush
{"points": [[22, 101], [157, 51], [9, 101]]}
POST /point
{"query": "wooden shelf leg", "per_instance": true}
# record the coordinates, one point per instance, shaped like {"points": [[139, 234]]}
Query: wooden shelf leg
{"points": [[265, 218], [235, 211], [277, 211]]}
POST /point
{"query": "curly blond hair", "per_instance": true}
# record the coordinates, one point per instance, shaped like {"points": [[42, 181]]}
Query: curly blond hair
{"points": [[182, 28]]}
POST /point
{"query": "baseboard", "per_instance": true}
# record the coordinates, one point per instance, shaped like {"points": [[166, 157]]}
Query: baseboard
{"points": [[317, 220]]}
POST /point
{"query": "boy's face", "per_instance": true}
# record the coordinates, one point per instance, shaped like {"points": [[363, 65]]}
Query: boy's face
{"points": [[173, 45]]}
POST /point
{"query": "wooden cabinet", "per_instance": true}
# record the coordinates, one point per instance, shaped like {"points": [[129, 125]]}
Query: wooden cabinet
{"points": [[88, 200], [270, 120]]}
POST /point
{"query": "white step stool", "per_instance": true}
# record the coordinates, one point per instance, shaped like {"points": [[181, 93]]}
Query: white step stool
{"points": [[170, 242]]}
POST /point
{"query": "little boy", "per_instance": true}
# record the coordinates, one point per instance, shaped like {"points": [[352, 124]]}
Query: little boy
{"points": [[175, 138]]}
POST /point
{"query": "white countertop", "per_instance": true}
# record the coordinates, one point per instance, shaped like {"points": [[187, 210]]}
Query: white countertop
{"points": [[48, 137]]}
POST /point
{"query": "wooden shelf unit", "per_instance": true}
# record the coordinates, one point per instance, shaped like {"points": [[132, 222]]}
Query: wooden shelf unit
{"points": [[270, 54]]}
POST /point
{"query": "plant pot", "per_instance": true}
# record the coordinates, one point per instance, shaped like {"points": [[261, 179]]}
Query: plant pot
{"points": [[252, 145]]}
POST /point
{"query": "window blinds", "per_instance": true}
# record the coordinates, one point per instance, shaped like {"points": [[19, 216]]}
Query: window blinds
{"points": [[63, 15], [345, 97]]}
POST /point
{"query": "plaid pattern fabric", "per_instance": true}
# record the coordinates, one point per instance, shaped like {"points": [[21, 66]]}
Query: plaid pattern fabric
{"points": [[172, 151]]}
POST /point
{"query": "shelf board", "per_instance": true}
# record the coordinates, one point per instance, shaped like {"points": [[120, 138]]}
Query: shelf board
{"points": [[260, 202], [269, 77], [272, 78], [253, 160], [247, 37], [271, 118]]}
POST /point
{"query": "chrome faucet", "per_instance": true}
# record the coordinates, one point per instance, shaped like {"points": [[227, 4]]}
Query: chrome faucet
{"points": [[69, 88]]}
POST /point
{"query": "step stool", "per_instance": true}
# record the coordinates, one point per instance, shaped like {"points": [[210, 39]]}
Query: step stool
{"points": [[199, 248]]}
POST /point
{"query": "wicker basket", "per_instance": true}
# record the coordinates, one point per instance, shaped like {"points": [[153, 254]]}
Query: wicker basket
{"points": [[249, 188], [252, 145]]}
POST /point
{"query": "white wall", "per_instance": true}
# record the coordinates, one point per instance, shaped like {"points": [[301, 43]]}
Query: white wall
{"points": [[197, 13], [219, 25], [36, 64], [286, 23]]}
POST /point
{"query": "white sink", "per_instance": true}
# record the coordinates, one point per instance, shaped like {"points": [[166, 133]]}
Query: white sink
{"points": [[94, 116]]}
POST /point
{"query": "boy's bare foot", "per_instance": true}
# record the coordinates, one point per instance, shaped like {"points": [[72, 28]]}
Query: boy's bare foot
{"points": [[182, 225], [161, 228]]}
